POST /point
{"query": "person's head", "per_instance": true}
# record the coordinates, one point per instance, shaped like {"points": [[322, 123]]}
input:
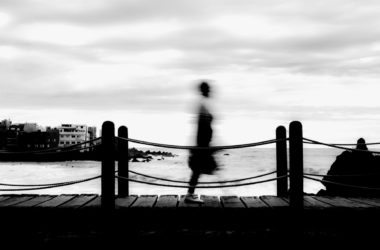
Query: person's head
{"points": [[204, 88], [361, 144]]}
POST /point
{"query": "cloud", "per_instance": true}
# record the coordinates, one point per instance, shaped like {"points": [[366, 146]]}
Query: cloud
{"points": [[299, 37], [269, 58], [139, 97]]}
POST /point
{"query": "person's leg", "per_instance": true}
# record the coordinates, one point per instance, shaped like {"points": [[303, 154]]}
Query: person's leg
{"points": [[193, 182], [190, 196]]}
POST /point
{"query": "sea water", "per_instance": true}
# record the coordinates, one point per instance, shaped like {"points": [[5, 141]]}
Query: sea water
{"points": [[234, 164]]}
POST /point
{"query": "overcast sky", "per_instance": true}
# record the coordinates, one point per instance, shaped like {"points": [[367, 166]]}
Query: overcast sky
{"points": [[136, 62]]}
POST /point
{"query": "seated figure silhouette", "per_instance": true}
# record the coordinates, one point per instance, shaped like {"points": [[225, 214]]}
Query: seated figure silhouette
{"points": [[201, 161], [354, 168], [361, 145]]}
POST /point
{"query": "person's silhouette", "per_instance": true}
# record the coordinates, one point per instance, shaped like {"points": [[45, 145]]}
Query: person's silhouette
{"points": [[201, 161], [361, 145]]}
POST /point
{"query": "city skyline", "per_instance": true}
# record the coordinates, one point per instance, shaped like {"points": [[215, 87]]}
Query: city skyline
{"points": [[137, 64]]}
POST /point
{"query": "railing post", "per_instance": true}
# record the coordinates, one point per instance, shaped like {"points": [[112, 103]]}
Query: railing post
{"points": [[123, 165], [296, 165], [108, 166], [282, 161]]}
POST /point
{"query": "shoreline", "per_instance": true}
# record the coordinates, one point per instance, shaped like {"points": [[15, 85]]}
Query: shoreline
{"points": [[95, 155]]}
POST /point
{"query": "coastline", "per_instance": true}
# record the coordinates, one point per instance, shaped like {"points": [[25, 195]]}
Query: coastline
{"points": [[134, 154]]}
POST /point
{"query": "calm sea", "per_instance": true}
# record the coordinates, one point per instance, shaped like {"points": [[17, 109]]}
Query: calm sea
{"points": [[234, 164]]}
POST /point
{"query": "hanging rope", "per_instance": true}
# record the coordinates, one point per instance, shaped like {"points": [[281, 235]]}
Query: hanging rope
{"points": [[206, 182], [45, 186], [342, 184], [341, 175], [202, 148], [349, 144], [219, 186], [334, 146]]}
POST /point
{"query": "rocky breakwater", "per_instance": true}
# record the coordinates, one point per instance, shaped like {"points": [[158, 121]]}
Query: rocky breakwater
{"points": [[136, 155]]}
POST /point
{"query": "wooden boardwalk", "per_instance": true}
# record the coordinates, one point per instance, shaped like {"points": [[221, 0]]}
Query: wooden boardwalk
{"points": [[92, 201], [59, 219]]}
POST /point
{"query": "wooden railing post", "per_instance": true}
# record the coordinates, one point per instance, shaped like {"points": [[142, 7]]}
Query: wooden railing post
{"points": [[296, 165], [108, 166], [123, 165], [282, 161]]}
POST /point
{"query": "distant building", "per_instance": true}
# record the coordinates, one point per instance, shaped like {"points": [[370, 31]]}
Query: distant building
{"points": [[71, 134], [4, 126], [38, 140], [28, 137], [14, 133], [92, 133], [32, 137]]}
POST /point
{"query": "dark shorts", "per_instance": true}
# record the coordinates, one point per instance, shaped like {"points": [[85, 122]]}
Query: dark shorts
{"points": [[202, 162]]}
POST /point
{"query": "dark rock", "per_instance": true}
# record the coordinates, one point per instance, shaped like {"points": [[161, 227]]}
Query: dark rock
{"points": [[135, 159], [147, 155], [356, 169]]}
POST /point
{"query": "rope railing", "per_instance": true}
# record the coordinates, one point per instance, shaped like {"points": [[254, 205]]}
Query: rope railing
{"points": [[58, 149], [203, 182], [200, 186], [349, 144], [49, 184], [201, 148], [59, 184], [342, 184], [45, 186], [341, 175], [339, 147]]}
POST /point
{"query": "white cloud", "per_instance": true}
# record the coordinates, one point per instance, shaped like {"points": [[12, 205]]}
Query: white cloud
{"points": [[270, 60], [9, 52], [5, 19], [59, 34]]}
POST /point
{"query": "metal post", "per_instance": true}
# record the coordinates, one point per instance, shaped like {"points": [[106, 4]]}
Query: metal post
{"points": [[108, 166], [123, 165], [296, 165], [282, 161]]}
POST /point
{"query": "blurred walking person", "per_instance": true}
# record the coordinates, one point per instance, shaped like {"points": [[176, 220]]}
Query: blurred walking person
{"points": [[201, 161]]}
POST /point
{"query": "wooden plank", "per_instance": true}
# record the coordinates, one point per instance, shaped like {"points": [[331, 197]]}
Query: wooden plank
{"points": [[369, 201], [253, 202], [311, 202], [231, 202], [183, 204], [341, 202], [124, 202], [4, 197], [35, 201], [211, 201], [15, 200], [78, 201], [95, 203], [375, 199], [167, 201], [356, 204], [145, 201], [274, 201], [56, 201]]}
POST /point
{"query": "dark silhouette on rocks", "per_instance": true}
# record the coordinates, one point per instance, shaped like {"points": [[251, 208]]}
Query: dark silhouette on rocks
{"points": [[356, 168]]}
